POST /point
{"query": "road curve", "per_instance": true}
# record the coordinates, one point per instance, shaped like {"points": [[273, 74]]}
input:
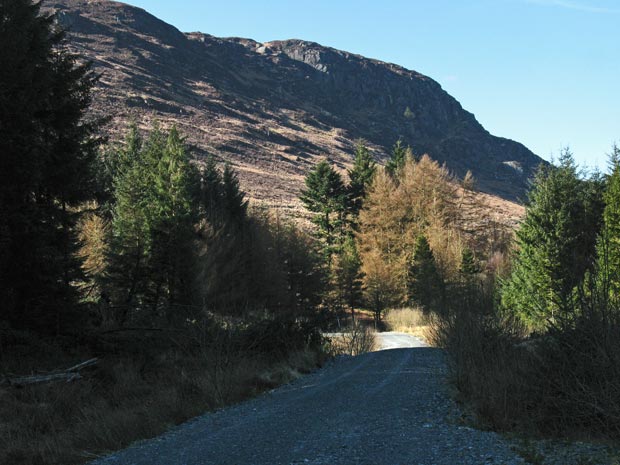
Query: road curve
{"points": [[387, 407]]}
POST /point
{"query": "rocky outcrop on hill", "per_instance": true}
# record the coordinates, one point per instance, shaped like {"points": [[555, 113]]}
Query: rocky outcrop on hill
{"points": [[274, 108]]}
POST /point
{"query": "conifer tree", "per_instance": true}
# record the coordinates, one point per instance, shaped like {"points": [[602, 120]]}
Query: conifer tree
{"points": [[211, 193], [608, 245], [469, 182], [397, 158], [382, 286], [555, 246], [227, 277], [347, 274], [469, 267], [131, 240], [115, 162], [325, 197], [173, 213], [124, 158], [360, 176], [46, 168], [156, 190], [421, 201], [233, 198], [424, 283]]}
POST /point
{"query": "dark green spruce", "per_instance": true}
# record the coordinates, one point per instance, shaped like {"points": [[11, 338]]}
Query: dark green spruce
{"points": [[325, 196], [424, 284], [360, 177], [46, 168], [555, 244]]}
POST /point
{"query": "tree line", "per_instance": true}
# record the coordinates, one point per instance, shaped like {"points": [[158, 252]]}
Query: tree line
{"points": [[136, 232], [394, 235], [132, 233]]}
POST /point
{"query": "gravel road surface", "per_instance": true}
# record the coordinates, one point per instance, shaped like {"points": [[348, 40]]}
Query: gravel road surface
{"points": [[394, 340], [383, 408]]}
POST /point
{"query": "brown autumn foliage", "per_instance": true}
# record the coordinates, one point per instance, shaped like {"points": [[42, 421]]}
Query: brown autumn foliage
{"points": [[421, 199], [93, 239]]}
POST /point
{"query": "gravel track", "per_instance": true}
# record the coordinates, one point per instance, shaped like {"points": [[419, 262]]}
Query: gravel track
{"points": [[387, 407], [396, 340]]}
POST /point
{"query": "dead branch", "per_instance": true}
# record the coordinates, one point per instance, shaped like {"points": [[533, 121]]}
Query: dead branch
{"points": [[68, 375], [122, 330]]}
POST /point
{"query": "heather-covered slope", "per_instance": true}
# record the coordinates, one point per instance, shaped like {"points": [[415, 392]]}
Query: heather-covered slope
{"points": [[273, 109]]}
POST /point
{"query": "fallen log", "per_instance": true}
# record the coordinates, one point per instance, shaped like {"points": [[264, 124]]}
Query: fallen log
{"points": [[68, 375]]}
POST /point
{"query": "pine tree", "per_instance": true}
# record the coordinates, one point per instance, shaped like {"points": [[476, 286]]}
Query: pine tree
{"points": [[325, 196], [46, 168], [114, 163], [469, 267], [347, 275], [173, 203], [360, 176], [608, 245], [233, 198], [424, 280], [156, 191], [397, 158], [211, 193], [555, 246], [131, 240]]}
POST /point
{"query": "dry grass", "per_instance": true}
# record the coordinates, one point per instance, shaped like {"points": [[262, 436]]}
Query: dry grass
{"points": [[130, 396], [409, 320]]}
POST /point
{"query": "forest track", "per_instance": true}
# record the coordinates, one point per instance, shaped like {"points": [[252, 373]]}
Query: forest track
{"points": [[386, 407]]}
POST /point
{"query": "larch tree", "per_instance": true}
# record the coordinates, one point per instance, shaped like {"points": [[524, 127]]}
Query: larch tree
{"points": [[421, 200]]}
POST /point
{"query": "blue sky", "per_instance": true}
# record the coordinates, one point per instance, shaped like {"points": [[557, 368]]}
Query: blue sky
{"points": [[543, 72]]}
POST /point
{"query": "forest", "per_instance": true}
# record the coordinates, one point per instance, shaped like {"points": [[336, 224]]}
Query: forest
{"points": [[190, 297]]}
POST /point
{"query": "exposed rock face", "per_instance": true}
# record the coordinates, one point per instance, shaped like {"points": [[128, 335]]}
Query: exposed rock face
{"points": [[273, 109]]}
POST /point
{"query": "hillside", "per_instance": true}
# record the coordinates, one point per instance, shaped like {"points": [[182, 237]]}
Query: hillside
{"points": [[274, 108]]}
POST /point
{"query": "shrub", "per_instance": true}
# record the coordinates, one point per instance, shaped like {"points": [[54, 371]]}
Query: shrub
{"points": [[564, 381], [357, 339]]}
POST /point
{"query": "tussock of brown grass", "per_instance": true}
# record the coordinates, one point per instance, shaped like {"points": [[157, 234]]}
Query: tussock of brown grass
{"points": [[128, 397]]}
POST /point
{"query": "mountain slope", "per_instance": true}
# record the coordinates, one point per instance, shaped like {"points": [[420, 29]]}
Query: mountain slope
{"points": [[273, 109]]}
